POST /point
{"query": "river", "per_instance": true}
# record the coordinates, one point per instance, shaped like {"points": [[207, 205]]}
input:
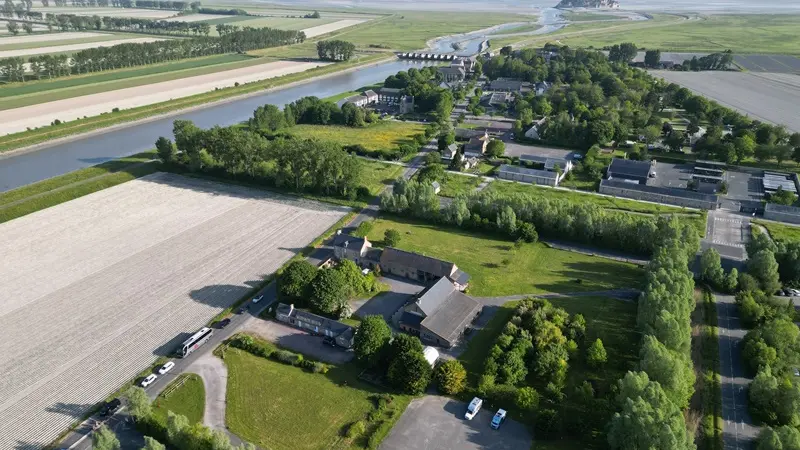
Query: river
{"points": [[24, 168]]}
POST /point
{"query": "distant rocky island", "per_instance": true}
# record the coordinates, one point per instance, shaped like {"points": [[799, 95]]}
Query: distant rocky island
{"points": [[588, 4]]}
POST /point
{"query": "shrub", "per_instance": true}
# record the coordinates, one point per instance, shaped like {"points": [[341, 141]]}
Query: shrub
{"points": [[115, 110], [364, 228], [288, 357], [356, 429], [450, 377]]}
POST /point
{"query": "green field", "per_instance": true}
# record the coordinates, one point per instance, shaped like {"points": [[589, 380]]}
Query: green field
{"points": [[454, 185], [56, 41], [780, 232], [612, 321], [281, 407], [498, 268], [281, 23], [410, 30], [381, 136], [377, 175], [188, 399], [586, 16], [740, 33], [17, 95]]}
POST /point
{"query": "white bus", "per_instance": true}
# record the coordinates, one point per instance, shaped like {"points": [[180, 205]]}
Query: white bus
{"points": [[196, 340]]}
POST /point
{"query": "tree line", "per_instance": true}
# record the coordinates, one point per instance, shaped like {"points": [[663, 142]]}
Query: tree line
{"points": [[652, 398], [138, 54], [223, 11], [423, 85], [66, 22], [335, 50], [296, 165]]}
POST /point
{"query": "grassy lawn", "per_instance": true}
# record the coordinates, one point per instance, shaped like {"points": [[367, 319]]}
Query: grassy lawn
{"points": [[377, 175], [277, 406], [602, 201], [381, 136], [188, 399], [614, 322], [455, 184], [17, 95], [497, 268], [780, 232], [410, 30], [42, 134], [741, 33]]}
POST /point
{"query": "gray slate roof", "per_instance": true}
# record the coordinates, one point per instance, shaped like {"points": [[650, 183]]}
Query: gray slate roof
{"points": [[337, 328], [450, 309], [506, 85], [525, 171], [351, 241], [626, 167], [434, 266], [667, 191]]}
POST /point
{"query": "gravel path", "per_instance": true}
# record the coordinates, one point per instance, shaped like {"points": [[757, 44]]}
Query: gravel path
{"points": [[94, 289], [73, 47], [19, 119], [215, 378]]}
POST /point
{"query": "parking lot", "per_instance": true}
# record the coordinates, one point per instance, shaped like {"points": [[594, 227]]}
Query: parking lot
{"points": [[297, 340], [437, 423]]}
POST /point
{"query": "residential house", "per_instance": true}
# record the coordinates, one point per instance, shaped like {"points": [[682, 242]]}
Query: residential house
{"points": [[420, 267], [534, 132], [542, 87], [470, 162], [499, 98], [350, 247], [629, 171], [372, 96], [467, 134], [358, 100], [406, 104], [343, 334], [693, 138], [439, 314], [526, 175], [389, 95], [476, 147], [450, 152]]}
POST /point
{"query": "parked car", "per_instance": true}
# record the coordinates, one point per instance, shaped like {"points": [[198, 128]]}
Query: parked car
{"points": [[166, 367], [796, 372], [148, 380], [498, 418], [110, 408], [473, 408], [258, 299], [223, 323], [795, 292], [327, 340]]}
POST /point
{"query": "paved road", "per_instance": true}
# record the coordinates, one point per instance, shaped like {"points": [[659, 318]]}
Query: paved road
{"points": [[739, 431], [215, 379]]}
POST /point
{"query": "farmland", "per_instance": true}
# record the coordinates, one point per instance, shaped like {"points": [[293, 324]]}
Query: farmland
{"points": [[20, 119], [767, 97], [69, 46], [498, 268], [143, 263]]}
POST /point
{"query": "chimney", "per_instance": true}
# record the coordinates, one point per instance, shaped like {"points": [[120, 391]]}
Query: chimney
{"points": [[291, 309]]}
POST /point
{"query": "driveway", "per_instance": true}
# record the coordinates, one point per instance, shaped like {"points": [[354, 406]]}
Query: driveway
{"points": [[387, 303], [215, 379], [437, 423], [297, 340]]}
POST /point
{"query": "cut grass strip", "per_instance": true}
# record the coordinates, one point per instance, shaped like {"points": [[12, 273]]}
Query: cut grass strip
{"points": [[185, 396], [32, 137]]}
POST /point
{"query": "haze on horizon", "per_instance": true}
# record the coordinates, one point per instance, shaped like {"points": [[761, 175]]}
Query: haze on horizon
{"points": [[710, 6]]}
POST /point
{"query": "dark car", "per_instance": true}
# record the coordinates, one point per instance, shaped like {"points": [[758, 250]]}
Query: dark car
{"points": [[110, 407], [223, 323], [327, 340], [241, 310]]}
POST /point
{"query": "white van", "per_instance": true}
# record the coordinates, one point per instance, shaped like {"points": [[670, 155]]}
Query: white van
{"points": [[473, 408]]}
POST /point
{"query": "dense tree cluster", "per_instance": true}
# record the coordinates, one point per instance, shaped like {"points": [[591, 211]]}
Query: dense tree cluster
{"points": [[294, 164], [177, 432], [399, 359], [714, 61], [423, 84], [335, 50], [325, 291], [780, 438], [223, 11], [137, 54], [23, 9], [66, 22], [652, 400]]}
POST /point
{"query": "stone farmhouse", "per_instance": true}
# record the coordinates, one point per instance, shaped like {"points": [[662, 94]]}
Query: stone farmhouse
{"points": [[344, 335], [439, 314]]}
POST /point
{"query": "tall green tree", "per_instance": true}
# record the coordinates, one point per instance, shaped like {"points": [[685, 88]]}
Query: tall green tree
{"points": [[764, 268], [105, 439], [152, 444], [329, 291], [371, 340], [450, 376], [294, 281], [711, 267]]}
